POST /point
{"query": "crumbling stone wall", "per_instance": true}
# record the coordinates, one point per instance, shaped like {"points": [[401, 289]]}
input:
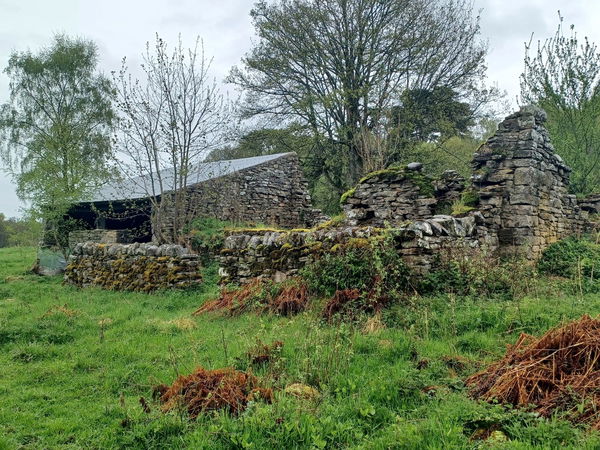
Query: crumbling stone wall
{"points": [[280, 254], [590, 204], [395, 196], [273, 193], [519, 189], [522, 185], [135, 267]]}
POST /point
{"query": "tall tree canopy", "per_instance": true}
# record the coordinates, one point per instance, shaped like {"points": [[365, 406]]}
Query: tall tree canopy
{"points": [[55, 130], [338, 66], [563, 77]]}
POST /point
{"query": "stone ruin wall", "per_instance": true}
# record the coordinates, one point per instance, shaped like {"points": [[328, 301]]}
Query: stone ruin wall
{"points": [[100, 236], [395, 196], [281, 254], [134, 267], [519, 183], [520, 186], [590, 204], [273, 193]]}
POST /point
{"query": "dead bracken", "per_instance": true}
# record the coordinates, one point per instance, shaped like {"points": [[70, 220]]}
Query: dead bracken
{"points": [[262, 354], [557, 373], [341, 300], [292, 300], [262, 295], [209, 390], [233, 301]]}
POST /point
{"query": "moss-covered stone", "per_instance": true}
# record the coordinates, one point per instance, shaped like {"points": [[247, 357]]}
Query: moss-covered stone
{"points": [[346, 195], [132, 272]]}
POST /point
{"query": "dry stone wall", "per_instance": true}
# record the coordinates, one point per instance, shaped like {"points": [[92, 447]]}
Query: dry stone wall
{"points": [[519, 189], [590, 204], [100, 236], [522, 185], [135, 267], [280, 254], [395, 196], [273, 193]]}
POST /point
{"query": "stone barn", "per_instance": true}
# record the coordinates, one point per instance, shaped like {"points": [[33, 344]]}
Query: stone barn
{"points": [[270, 190]]}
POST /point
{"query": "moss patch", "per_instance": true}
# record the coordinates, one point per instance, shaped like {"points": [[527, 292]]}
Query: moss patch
{"points": [[349, 193]]}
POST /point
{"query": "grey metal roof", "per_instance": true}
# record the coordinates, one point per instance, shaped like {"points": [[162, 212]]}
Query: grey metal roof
{"points": [[140, 187]]}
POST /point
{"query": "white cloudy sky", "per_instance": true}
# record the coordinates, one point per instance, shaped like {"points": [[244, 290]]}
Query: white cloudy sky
{"points": [[122, 27]]}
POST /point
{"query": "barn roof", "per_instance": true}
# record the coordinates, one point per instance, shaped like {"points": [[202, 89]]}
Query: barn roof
{"points": [[139, 187]]}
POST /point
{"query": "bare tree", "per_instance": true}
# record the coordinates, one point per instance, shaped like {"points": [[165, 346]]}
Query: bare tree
{"points": [[168, 123]]}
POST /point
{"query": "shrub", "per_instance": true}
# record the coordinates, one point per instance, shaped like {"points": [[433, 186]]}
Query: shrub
{"points": [[476, 273], [571, 257], [370, 265], [206, 235]]}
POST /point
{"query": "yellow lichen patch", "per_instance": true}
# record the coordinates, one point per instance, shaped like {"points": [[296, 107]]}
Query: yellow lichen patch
{"points": [[332, 223], [358, 243], [346, 195]]}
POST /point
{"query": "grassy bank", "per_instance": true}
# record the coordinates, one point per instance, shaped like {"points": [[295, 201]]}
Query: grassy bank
{"points": [[75, 364]]}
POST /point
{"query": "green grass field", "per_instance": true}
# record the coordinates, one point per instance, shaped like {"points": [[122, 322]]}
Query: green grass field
{"points": [[74, 364]]}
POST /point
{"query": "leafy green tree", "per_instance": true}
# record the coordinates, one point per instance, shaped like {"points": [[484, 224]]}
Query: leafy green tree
{"points": [[563, 77], [337, 66], [23, 232], [4, 232], [55, 130], [425, 115]]}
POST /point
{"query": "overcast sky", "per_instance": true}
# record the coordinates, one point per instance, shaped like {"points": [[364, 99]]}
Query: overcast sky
{"points": [[122, 27]]}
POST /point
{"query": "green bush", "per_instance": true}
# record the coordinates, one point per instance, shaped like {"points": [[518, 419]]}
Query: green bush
{"points": [[206, 235], [371, 265], [571, 258], [477, 274]]}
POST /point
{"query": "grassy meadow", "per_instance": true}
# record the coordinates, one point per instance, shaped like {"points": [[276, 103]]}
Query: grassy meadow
{"points": [[75, 363]]}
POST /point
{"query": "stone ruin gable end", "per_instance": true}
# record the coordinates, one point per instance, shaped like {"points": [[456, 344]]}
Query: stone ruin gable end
{"points": [[133, 267], [395, 196], [273, 193], [278, 255], [522, 186]]}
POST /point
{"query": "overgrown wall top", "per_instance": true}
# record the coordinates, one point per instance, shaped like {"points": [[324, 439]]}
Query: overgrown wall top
{"points": [[280, 254]]}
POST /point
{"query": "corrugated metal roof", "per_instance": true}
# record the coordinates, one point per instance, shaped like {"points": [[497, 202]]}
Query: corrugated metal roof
{"points": [[140, 187]]}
